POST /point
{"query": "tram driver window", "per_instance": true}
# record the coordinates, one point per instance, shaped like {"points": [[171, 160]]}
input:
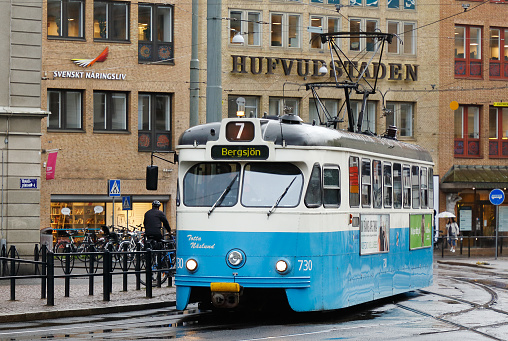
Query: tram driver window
{"points": [[397, 185], [416, 186], [331, 186], [313, 197], [406, 181], [366, 183], [377, 189]]}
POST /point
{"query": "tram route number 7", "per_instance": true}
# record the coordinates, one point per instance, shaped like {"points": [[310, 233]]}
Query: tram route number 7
{"points": [[305, 265]]}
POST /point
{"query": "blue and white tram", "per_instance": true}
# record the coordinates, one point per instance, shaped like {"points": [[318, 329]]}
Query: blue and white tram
{"points": [[270, 210]]}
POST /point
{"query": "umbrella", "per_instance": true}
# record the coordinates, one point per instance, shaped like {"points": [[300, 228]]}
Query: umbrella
{"points": [[445, 215]]}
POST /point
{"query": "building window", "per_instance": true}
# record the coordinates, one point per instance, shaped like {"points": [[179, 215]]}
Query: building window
{"points": [[326, 1], [154, 122], [498, 67], [326, 24], [155, 33], [65, 18], [498, 132], [66, 109], [109, 111], [407, 32], [248, 24], [369, 115], [250, 106], [468, 51], [282, 106], [366, 3], [317, 110], [110, 20], [467, 131], [285, 30], [400, 114], [362, 25]]}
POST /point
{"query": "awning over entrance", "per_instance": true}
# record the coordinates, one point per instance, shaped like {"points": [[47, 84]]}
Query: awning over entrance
{"points": [[480, 177]]}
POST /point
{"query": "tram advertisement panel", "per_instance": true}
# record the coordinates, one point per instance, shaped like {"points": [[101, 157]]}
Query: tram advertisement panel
{"points": [[420, 227], [374, 233]]}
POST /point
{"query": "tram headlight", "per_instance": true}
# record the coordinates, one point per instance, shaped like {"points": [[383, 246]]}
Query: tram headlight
{"points": [[235, 258], [191, 265], [282, 266]]}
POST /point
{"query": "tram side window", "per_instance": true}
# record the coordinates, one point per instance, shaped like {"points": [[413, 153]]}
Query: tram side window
{"points": [[377, 189], [397, 185], [366, 185], [205, 182], [424, 188], [313, 197], [354, 182], [387, 183], [431, 188], [406, 182], [331, 186], [416, 186]]}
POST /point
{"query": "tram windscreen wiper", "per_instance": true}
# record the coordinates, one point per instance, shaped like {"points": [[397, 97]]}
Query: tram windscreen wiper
{"points": [[223, 195], [280, 198]]}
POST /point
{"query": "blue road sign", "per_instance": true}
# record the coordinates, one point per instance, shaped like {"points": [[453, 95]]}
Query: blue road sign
{"points": [[27, 183], [114, 188], [496, 196], [126, 203]]}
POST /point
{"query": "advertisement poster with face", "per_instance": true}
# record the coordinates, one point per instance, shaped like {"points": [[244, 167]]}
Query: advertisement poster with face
{"points": [[374, 233], [420, 229]]}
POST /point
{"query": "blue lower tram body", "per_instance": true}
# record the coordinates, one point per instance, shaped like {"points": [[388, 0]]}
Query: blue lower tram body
{"points": [[326, 269]]}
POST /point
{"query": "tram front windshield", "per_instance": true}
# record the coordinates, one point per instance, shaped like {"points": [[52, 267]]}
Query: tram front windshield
{"points": [[265, 183]]}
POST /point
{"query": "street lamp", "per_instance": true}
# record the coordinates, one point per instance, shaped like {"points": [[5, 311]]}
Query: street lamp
{"points": [[238, 38]]}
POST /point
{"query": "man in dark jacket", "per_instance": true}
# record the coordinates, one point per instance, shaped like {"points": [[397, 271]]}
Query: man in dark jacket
{"points": [[154, 220]]}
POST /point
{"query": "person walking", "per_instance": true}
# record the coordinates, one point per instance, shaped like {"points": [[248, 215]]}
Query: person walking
{"points": [[453, 231], [154, 220]]}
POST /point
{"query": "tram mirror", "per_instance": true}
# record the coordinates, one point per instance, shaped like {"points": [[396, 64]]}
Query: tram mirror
{"points": [[151, 177]]}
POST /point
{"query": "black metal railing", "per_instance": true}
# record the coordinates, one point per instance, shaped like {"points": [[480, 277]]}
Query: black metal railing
{"points": [[104, 264], [472, 246]]}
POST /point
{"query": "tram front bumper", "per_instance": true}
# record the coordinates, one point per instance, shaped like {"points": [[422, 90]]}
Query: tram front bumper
{"points": [[225, 295]]}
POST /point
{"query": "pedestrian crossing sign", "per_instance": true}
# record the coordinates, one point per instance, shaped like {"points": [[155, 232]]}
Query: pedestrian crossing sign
{"points": [[126, 203], [114, 188]]}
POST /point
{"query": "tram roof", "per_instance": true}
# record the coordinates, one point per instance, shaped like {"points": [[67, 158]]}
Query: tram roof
{"points": [[309, 135]]}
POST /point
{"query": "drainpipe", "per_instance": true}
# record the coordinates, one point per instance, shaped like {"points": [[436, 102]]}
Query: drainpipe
{"points": [[213, 61], [194, 68]]}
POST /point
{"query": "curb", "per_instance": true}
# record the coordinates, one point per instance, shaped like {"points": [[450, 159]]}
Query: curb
{"points": [[464, 264], [84, 312]]}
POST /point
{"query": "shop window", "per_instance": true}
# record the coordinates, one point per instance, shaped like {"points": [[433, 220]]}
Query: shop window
{"points": [[154, 122], [377, 186], [66, 107], [467, 131], [397, 185], [468, 52], [407, 33], [313, 197], [327, 24], [406, 183], [331, 186], [369, 115], [498, 132], [415, 184], [354, 181], [109, 111], [366, 183], [65, 18], [246, 23], [387, 184], [362, 25], [400, 114], [282, 106], [111, 20], [285, 30], [498, 65], [250, 106], [317, 110], [155, 34], [80, 215]]}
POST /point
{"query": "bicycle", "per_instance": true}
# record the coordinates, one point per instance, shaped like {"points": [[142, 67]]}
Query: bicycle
{"points": [[163, 258]]}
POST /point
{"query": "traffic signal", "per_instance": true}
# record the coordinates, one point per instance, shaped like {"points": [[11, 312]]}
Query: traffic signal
{"points": [[152, 174]]}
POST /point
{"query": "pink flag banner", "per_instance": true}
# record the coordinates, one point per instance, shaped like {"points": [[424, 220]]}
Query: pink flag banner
{"points": [[50, 166]]}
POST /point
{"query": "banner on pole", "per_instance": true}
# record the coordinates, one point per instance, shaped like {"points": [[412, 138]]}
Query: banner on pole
{"points": [[50, 166]]}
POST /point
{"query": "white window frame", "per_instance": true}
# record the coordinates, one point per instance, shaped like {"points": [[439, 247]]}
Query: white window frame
{"points": [[332, 105], [397, 119], [285, 30], [279, 102], [363, 28], [247, 27], [325, 29], [369, 114]]}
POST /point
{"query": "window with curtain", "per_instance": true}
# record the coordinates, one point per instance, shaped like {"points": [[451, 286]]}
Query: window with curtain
{"points": [[154, 122], [498, 132], [155, 33], [467, 131]]}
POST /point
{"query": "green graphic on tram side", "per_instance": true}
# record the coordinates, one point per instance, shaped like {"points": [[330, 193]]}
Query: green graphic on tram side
{"points": [[420, 229]]}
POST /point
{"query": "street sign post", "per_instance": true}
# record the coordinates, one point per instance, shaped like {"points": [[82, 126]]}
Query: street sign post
{"points": [[496, 197]]}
